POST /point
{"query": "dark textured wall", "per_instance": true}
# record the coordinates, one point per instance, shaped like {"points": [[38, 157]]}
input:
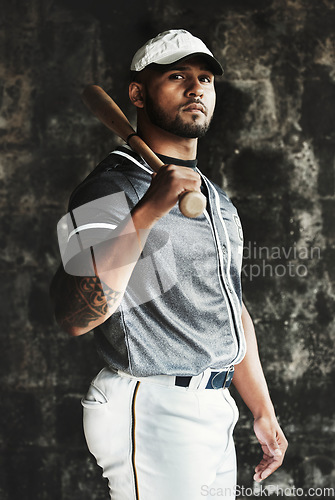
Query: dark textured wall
{"points": [[271, 147]]}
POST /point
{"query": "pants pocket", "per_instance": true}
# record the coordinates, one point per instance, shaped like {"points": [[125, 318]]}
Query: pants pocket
{"points": [[94, 398]]}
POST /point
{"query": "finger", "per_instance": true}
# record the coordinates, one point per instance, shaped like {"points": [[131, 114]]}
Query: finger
{"points": [[262, 466], [257, 478], [266, 472], [265, 468]]}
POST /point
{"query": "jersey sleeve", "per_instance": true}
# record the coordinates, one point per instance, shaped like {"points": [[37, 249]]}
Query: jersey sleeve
{"points": [[98, 208]]}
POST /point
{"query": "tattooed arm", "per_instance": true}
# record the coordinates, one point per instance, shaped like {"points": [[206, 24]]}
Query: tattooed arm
{"points": [[82, 303]]}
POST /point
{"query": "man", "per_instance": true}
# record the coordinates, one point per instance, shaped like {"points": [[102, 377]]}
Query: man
{"points": [[163, 295]]}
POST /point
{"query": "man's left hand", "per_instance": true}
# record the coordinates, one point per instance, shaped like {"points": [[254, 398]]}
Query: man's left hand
{"points": [[273, 443]]}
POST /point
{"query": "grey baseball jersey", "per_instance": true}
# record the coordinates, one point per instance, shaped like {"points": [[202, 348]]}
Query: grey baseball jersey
{"points": [[181, 312]]}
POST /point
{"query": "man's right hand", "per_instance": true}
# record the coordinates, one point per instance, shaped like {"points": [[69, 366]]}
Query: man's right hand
{"points": [[165, 189]]}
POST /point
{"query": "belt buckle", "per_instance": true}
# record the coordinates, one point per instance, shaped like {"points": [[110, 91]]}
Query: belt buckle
{"points": [[227, 379], [229, 376]]}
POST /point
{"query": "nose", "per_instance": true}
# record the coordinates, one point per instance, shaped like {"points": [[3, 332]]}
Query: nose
{"points": [[194, 88]]}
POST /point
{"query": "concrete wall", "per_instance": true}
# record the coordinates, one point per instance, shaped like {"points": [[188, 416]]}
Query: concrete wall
{"points": [[271, 147]]}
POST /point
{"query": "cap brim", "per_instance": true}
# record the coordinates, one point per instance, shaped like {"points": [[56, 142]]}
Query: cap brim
{"points": [[213, 64]]}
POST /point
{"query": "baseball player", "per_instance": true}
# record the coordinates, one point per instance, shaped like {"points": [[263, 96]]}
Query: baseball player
{"points": [[163, 295]]}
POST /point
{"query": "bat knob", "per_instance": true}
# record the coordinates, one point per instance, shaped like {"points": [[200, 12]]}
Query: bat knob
{"points": [[192, 204]]}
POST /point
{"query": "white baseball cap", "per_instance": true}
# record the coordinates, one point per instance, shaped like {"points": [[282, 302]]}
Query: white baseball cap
{"points": [[171, 46]]}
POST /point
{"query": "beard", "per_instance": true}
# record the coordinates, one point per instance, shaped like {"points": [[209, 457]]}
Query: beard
{"points": [[176, 125]]}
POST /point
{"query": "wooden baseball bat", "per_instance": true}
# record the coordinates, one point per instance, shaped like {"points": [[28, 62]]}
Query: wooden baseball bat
{"points": [[191, 203]]}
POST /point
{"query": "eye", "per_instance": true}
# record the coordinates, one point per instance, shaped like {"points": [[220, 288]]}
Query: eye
{"points": [[205, 79], [176, 76]]}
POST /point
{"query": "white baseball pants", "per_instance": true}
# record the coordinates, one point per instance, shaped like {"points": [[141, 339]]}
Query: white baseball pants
{"points": [[156, 441]]}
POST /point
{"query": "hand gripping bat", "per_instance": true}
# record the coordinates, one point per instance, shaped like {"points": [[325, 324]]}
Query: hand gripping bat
{"points": [[191, 203]]}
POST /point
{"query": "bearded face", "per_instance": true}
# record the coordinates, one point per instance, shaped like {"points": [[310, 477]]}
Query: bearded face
{"points": [[181, 100], [177, 123]]}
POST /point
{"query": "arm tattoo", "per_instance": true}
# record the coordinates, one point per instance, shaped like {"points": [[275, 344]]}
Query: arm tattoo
{"points": [[86, 300]]}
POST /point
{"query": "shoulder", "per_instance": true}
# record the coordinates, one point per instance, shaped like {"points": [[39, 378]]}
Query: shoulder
{"points": [[118, 172]]}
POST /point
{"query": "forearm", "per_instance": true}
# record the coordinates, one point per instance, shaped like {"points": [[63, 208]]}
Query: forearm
{"points": [[251, 384], [249, 378], [83, 302]]}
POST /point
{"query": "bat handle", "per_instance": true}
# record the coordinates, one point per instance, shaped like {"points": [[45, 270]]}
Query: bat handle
{"points": [[191, 203]]}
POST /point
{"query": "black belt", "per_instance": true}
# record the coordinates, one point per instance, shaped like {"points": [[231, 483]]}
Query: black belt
{"points": [[217, 380]]}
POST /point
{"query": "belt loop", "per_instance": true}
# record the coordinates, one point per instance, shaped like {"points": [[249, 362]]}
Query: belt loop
{"points": [[196, 381]]}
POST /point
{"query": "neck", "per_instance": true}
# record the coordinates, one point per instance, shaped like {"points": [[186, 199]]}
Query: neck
{"points": [[167, 144]]}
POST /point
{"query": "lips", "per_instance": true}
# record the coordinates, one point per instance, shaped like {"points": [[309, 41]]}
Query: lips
{"points": [[195, 107]]}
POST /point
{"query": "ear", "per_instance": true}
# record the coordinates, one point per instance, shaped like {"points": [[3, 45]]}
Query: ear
{"points": [[136, 94]]}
